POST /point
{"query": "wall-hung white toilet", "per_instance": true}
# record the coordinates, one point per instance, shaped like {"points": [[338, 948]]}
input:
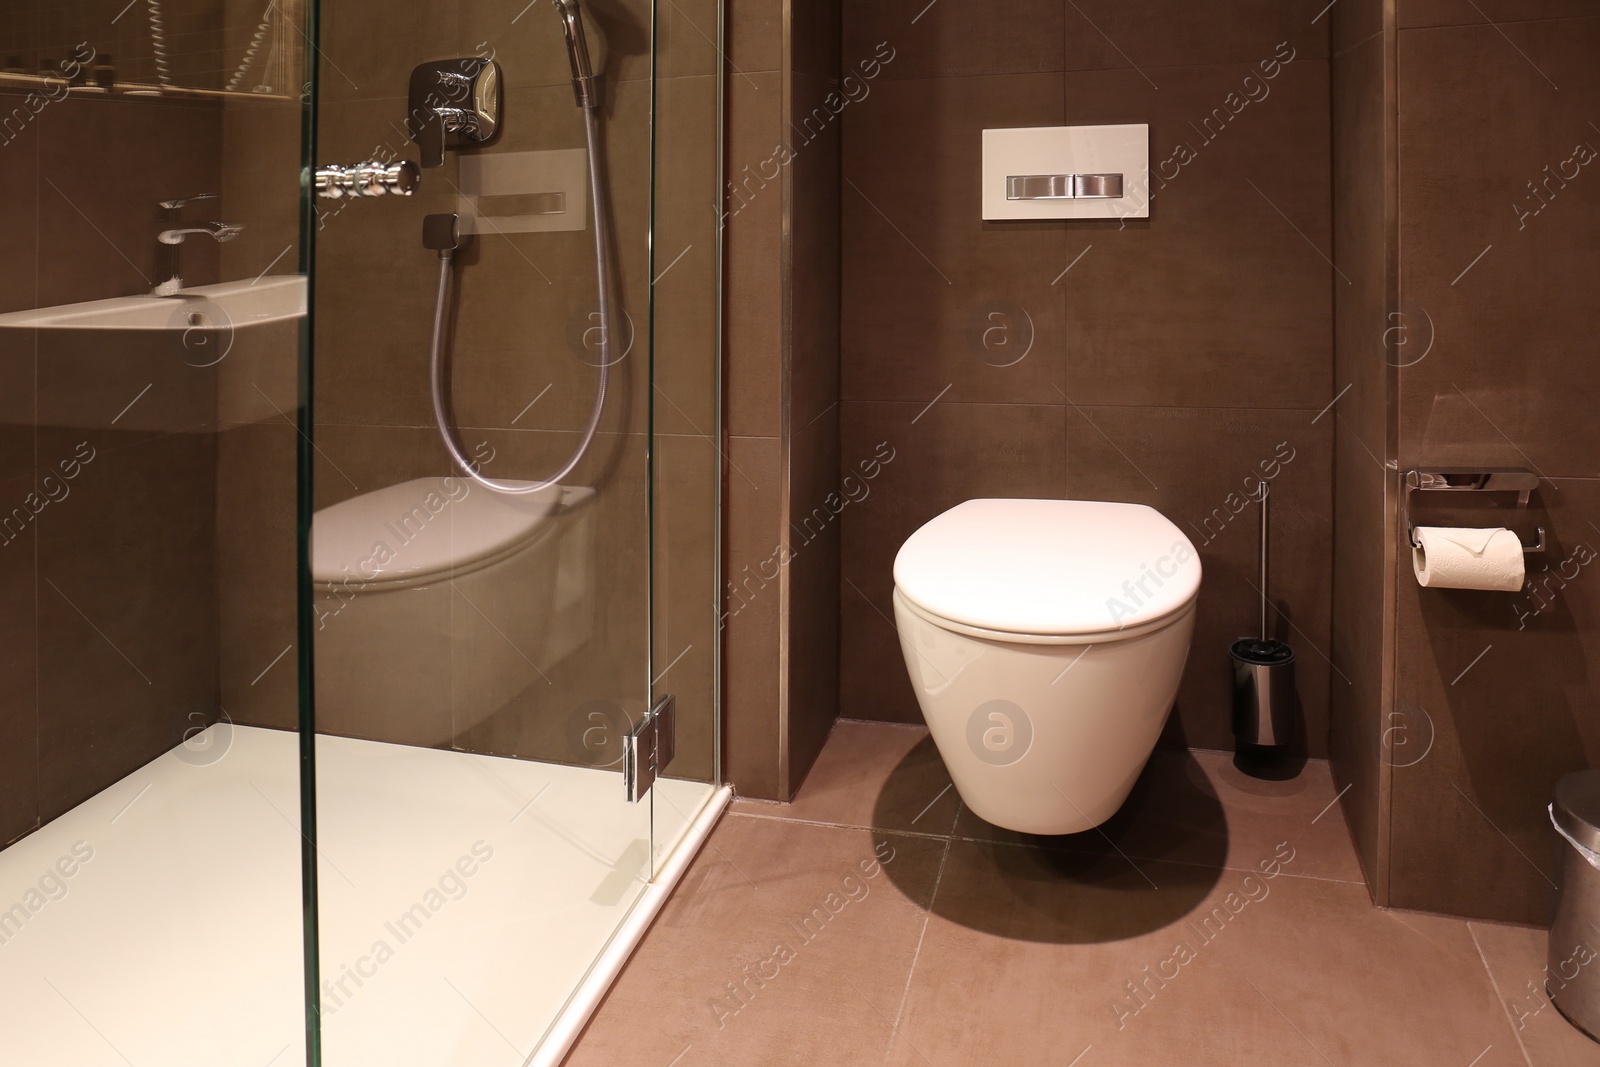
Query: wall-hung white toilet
{"points": [[1045, 641], [438, 601]]}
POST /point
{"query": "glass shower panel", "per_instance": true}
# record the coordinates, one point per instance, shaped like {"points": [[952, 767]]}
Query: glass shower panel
{"points": [[479, 654], [150, 320], [686, 232]]}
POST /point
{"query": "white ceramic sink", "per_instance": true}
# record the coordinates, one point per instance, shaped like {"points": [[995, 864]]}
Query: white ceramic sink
{"points": [[219, 306], [202, 360]]}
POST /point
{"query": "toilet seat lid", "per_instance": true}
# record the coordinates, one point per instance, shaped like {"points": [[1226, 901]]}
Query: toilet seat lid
{"points": [[1048, 566], [422, 527]]}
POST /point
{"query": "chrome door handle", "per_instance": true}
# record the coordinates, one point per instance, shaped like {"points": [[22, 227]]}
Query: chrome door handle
{"points": [[372, 178]]}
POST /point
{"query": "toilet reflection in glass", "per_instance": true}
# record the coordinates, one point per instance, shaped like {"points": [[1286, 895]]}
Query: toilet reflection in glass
{"points": [[504, 583], [1045, 641]]}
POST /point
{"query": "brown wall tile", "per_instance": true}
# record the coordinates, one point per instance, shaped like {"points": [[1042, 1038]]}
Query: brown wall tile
{"points": [[956, 37], [811, 673], [687, 601], [1502, 681], [933, 296], [816, 39], [1482, 12], [753, 521], [1353, 22], [261, 153], [19, 660], [256, 593], [753, 299], [1530, 293], [1103, 33], [1365, 737], [1371, 337], [814, 268], [127, 621], [365, 54], [1156, 311], [686, 266], [781, 374], [754, 36], [19, 206]]}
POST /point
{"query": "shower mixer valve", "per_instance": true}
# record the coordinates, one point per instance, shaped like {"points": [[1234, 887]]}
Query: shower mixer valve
{"points": [[452, 102]]}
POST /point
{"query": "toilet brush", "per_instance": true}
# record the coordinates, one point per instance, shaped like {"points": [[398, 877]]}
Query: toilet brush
{"points": [[1263, 671]]}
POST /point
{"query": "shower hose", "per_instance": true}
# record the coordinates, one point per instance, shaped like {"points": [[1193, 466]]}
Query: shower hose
{"points": [[442, 414]]}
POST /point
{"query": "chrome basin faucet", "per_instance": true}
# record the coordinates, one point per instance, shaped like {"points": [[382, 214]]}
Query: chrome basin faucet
{"points": [[222, 231], [174, 236]]}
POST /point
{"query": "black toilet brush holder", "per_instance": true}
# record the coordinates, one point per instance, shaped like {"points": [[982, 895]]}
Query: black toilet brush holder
{"points": [[1263, 674]]}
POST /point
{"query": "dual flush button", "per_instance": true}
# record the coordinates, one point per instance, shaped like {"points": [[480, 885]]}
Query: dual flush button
{"points": [[1063, 186]]}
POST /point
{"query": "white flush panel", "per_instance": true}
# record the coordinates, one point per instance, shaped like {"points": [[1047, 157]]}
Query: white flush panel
{"points": [[1065, 167], [523, 192]]}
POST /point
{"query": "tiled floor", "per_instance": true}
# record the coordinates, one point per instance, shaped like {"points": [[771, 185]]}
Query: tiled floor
{"points": [[1218, 920]]}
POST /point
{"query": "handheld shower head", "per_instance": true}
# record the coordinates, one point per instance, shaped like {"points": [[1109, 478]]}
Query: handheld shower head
{"points": [[586, 72]]}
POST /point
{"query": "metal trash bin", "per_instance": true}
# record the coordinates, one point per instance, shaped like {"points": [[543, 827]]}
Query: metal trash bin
{"points": [[1572, 978]]}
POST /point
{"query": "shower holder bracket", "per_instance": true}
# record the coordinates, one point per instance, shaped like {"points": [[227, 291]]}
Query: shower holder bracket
{"points": [[649, 747], [1472, 480]]}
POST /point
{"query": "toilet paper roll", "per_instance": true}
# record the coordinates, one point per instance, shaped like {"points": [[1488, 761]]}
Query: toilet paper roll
{"points": [[1452, 558]]}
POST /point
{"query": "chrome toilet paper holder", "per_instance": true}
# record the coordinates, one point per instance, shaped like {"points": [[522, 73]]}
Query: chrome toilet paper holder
{"points": [[1472, 480]]}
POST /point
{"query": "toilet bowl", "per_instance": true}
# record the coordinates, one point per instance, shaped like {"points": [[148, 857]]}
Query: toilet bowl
{"points": [[1045, 640], [439, 601]]}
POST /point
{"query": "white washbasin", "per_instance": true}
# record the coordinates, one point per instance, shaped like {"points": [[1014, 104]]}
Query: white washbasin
{"points": [[219, 306]]}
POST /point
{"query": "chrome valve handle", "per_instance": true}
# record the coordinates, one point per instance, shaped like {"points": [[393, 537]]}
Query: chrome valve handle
{"points": [[372, 178]]}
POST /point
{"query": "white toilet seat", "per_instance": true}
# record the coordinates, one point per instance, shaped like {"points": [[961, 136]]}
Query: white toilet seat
{"points": [[1048, 568], [1090, 638], [1045, 640]]}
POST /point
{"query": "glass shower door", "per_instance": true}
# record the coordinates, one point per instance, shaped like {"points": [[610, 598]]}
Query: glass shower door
{"points": [[150, 320], [482, 642]]}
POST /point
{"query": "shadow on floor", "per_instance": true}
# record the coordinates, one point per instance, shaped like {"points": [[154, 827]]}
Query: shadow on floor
{"points": [[1091, 887]]}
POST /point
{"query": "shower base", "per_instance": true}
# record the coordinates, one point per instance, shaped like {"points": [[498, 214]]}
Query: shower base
{"points": [[473, 909]]}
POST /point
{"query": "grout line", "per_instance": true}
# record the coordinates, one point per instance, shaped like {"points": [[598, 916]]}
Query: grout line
{"points": [[964, 839], [1494, 986], [839, 825]]}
